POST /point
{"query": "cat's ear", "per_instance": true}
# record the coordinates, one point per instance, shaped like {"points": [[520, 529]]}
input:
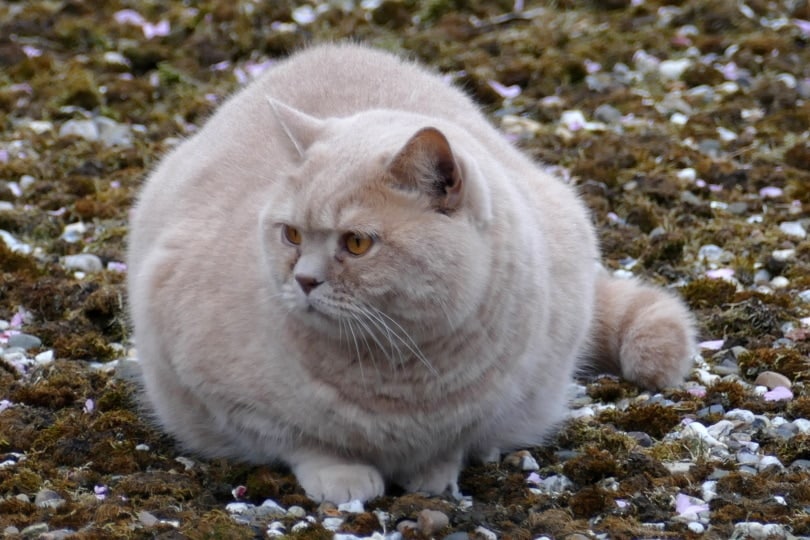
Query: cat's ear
{"points": [[300, 128], [427, 163]]}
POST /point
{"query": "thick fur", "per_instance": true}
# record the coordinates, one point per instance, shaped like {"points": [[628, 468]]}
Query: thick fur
{"points": [[454, 336]]}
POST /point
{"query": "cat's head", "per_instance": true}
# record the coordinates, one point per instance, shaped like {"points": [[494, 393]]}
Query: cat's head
{"points": [[378, 229]]}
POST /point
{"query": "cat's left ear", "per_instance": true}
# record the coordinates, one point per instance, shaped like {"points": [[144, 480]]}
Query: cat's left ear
{"points": [[427, 163], [300, 128]]}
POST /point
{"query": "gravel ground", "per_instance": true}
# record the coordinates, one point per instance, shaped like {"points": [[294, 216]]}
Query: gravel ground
{"points": [[685, 125]]}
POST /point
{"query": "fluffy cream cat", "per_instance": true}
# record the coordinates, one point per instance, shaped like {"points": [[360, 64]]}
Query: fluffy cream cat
{"points": [[350, 271]]}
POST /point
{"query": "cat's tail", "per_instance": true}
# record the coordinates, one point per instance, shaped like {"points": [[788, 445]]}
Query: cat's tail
{"points": [[641, 332]]}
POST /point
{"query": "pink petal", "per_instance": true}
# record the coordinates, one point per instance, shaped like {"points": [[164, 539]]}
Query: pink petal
{"points": [[720, 273], [778, 394], [507, 92], [714, 345], [129, 16]]}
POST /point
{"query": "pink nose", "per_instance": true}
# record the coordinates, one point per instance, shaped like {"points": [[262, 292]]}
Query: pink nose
{"points": [[307, 283]]}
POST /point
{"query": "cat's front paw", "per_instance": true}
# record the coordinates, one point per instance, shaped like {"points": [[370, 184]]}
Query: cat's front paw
{"points": [[437, 480], [340, 482]]}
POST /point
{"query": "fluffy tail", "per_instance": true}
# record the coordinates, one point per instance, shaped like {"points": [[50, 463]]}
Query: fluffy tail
{"points": [[641, 332]]}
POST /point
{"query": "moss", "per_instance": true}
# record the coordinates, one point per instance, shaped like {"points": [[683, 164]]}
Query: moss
{"points": [[705, 293], [218, 525], [654, 419], [789, 362], [592, 465]]}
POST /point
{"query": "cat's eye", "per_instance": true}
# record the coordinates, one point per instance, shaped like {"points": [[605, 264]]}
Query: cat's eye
{"points": [[291, 234], [357, 243]]}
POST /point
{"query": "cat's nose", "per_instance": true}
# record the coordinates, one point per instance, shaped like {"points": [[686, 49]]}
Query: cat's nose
{"points": [[307, 283]]}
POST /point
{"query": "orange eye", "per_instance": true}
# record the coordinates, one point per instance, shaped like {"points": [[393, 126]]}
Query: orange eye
{"points": [[357, 244], [291, 234]]}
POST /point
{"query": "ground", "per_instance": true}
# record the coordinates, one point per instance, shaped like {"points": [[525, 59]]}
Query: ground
{"points": [[684, 125]]}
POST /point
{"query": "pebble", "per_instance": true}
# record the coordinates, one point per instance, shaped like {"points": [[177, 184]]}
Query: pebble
{"points": [[485, 533], [772, 379], [432, 521], [802, 425], [457, 536], [696, 430], [607, 114], [74, 232], [331, 523], [708, 490], [804, 296], [793, 228], [741, 415], [641, 438], [769, 463], [721, 429], [35, 530], [757, 531], [696, 527], [147, 519], [296, 511], [85, 129], [47, 498], [352, 507], [83, 262], [24, 341]]}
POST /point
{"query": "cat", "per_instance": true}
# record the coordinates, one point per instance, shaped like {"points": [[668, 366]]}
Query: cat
{"points": [[350, 271]]}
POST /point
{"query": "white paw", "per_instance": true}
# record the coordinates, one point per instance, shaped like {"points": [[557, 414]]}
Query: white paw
{"points": [[340, 483], [440, 479]]}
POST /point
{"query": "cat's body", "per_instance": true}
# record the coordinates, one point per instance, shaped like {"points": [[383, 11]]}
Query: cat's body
{"points": [[452, 333]]}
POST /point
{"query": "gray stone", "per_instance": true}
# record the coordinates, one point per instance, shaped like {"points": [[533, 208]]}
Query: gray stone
{"points": [[801, 465], [642, 439], [86, 129], [83, 262], [113, 133], [24, 341], [607, 114], [48, 498], [457, 536], [34, 530], [772, 379]]}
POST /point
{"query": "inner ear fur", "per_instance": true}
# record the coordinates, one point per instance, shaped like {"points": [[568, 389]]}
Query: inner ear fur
{"points": [[426, 163]]}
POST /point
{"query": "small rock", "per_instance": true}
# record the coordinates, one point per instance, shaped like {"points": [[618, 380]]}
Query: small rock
{"points": [[772, 379], [673, 69], [747, 458], [331, 523], [86, 129], [113, 133], [24, 341], [800, 465], [708, 490], [457, 536], [11, 530], [804, 296], [485, 533], [642, 439], [696, 527], [741, 415], [757, 531], [147, 519], [779, 393], [47, 498], [793, 228], [34, 530], [83, 262], [74, 232], [607, 114], [802, 425], [296, 511], [769, 463], [432, 521], [783, 255], [352, 507]]}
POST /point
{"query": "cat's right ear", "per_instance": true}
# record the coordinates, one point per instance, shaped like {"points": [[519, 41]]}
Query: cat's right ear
{"points": [[300, 128]]}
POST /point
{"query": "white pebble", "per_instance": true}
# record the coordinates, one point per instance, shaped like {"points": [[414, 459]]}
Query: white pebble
{"points": [[331, 523], [83, 262], [768, 462], [696, 430], [679, 119], [73, 232], [238, 507], [803, 425], [142, 447], [708, 490], [793, 228], [673, 69], [723, 428], [758, 531], [696, 527], [780, 282], [352, 507], [296, 511], [45, 357], [86, 129], [783, 255], [688, 175], [486, 533]]}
